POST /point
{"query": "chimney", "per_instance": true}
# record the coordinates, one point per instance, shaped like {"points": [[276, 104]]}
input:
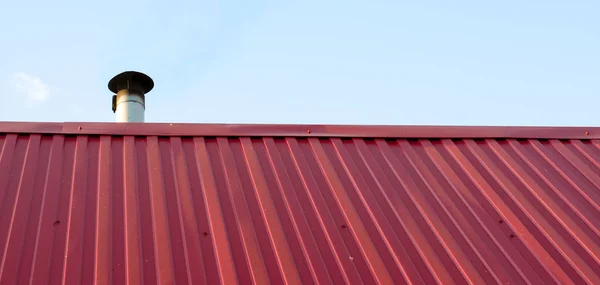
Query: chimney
{"points": [[129, 101]]}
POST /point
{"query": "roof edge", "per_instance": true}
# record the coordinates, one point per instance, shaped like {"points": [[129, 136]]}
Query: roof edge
{"points": [[262, 130]]}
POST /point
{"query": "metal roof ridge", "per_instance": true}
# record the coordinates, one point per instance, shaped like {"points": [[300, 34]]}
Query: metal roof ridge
{"points": [[301, 130]]}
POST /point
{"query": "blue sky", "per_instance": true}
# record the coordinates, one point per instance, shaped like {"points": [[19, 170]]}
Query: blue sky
{"points": [[305, 62]]}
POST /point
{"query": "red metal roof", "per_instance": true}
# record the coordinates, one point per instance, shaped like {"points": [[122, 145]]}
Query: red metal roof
{"points": [[240, 204]]}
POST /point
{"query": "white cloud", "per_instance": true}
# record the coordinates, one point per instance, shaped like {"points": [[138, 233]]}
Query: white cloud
{"points": [[31, 87]]}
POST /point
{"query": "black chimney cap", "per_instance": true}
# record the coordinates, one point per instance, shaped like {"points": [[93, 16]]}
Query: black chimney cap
{"points": [[120, 81]]}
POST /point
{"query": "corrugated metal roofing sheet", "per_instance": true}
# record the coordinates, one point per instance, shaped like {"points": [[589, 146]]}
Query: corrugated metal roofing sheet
{"points": [[80, 209]]}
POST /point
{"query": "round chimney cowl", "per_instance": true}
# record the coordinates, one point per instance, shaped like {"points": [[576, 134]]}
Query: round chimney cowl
{"points": [[131, 80]]}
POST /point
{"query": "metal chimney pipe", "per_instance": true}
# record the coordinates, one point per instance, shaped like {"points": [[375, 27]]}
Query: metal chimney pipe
{"points": [[129, 101]]}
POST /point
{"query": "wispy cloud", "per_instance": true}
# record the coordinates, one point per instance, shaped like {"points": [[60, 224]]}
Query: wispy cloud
{"points": [[76, 109], [32, 88]]}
